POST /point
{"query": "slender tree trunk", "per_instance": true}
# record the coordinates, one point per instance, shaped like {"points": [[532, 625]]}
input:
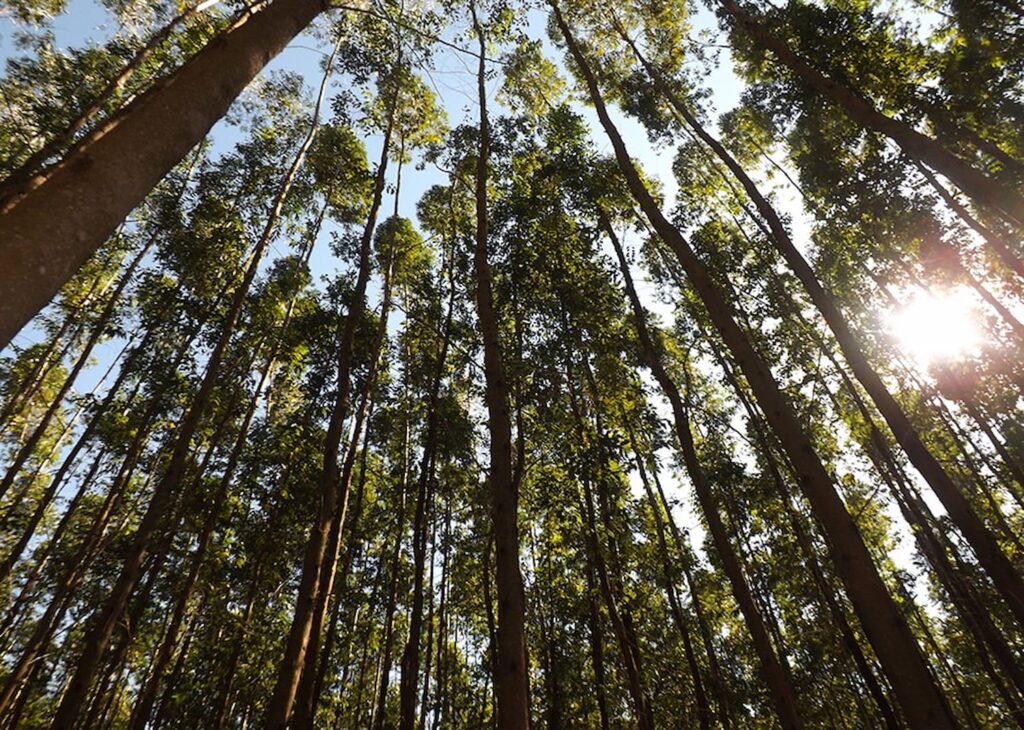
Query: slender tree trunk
{"points": [[774, 674], [306, 693], [704, 714], [410, 662], [510, 683], [280, 707], [1002, 250], [986, 547], [167, 489]]}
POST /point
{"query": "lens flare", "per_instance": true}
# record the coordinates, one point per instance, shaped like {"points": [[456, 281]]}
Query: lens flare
{"points": [[936, 326]]}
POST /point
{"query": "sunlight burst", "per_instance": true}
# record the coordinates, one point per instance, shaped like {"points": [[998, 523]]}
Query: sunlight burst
{"points": [[933, 327]]}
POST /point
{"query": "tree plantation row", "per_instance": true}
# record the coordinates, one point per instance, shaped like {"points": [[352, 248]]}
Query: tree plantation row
{"points": [[563, 364]]}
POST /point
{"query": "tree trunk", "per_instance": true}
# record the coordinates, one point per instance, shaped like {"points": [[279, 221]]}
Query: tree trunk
{"points": [[168, 487], [410, 662], [47, 233], [510, 682], [884, 625], [984, 543], [280, 706], [781, 690]]}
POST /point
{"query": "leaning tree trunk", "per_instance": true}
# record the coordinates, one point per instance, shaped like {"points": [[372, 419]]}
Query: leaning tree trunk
{"points": [[886, 628], [990, 555], [15, 183], [777, 679], [168, 487], [47, 233], [983, 189], [280, 707]]}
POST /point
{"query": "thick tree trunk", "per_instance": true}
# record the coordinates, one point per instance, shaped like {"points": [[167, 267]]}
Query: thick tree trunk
{"points": [[47, 233], [99, 328], [14, 183], [167, 489]]}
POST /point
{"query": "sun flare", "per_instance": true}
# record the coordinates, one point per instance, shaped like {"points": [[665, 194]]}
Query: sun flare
{"points": [[934, 327]]}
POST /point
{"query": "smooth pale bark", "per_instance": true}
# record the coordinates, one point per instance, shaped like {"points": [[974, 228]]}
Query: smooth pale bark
{"points": [[510, 682], [983, 189], [48, 233], [886, 629]]}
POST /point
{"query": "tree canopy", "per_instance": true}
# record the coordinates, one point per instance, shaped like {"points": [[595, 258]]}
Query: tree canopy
{"points": [[554, 364]]}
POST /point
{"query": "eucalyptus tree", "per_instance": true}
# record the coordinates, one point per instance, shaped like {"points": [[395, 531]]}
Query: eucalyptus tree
{"points": [[985, 545], [565, 447]]}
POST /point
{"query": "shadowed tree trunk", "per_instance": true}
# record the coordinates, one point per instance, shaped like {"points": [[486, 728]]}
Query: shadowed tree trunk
{"points": [[984, 543], [510, 683], [777, 679]]}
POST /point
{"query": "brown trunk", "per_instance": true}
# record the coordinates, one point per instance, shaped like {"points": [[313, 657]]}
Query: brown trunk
{"points": [[166, 491], [510, 683], [704, 715], [386, 658], [610, 591], [15, 183], [1001, 248], [686, 563], [341, 581], [985, 545], [825, 587], [99, 328], [775, 676], [975, 183], [47, 233], [596, 645], [883, 623], [410, 662], [306, 697], [329, 487]]}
